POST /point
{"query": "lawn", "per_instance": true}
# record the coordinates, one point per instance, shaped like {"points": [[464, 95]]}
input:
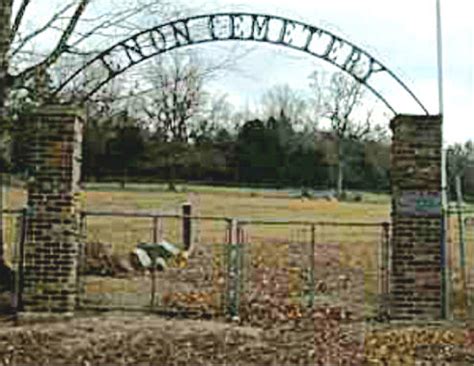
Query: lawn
{"points": [[217, 201]]}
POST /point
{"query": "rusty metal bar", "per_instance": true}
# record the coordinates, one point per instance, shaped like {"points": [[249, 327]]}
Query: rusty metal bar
{"points": [[312, 291], [152, 215], [241, 220], [187, 225], [18, 211], [155, 229], [309, 223]]}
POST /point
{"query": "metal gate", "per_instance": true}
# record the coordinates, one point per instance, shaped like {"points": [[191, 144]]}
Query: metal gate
{"points": [[461, 263], [283, 269], [15, 229], [248, 269], [194, 286]]}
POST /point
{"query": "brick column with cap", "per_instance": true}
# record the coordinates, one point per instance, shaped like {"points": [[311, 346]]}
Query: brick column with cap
{"points": [[416, 278], [51, 248]]}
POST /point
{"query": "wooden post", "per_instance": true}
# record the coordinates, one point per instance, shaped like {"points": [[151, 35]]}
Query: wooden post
{"points": [[155, 230], [153, 285], [187, 226]]}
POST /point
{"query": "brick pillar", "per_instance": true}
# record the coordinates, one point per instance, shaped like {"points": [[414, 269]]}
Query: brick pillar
{"points": [[415, 285], [51, 249]]}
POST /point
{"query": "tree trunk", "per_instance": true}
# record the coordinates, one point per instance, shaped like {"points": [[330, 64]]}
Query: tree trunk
{"points": [[171, 172], [124, 178], [2, 249], [172, 178], [340, 170], [340, 179], [5, 19]]}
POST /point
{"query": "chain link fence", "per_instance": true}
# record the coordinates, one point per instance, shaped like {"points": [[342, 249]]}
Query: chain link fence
{"points": [[245, 269], [292, 266], [461, 263], [14, 236], [192, 283]]}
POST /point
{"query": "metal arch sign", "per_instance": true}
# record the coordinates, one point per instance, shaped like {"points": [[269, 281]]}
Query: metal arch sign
{"points": [[240, 26]]}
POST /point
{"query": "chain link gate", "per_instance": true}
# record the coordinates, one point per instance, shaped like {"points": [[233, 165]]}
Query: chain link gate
{"points": [[242, 268], [193, 286], [15, 230], [302, 265], [234, 264], [461, 264]]}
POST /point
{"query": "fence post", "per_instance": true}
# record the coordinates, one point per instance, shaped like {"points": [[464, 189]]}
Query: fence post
{"points": [[233, 270], [153, 285], [313, 269], [21, 259], [81, 263], [384, 275], [187, 227], [462, 243], [155, 230]]}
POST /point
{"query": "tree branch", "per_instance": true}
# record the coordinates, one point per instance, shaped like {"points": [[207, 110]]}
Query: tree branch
{"points": [[58, 50], [42, 29], [18, 19]]}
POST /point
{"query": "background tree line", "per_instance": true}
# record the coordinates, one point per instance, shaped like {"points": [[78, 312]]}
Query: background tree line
{"points": [[162, 122], [174, 129], [259, 152]]}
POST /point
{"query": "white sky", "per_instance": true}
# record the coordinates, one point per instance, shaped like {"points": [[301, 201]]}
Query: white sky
{"points": [[399, 33]]}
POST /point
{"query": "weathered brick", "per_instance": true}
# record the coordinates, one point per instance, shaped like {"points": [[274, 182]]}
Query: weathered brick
{"points": [[51, 248], [415, 167]]}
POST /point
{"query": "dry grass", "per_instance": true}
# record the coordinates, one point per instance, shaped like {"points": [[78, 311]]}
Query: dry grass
{"points": [[358, 247]]}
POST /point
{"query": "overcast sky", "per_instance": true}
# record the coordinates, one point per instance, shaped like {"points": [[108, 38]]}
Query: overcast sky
{"points": [[401, 34]]}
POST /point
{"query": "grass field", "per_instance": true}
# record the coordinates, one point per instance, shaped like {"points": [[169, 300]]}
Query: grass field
{"points": [[214, 201], [358, 246]]}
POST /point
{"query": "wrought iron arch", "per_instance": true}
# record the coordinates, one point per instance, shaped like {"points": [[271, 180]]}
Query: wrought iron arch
{"points": [[240, 26]]}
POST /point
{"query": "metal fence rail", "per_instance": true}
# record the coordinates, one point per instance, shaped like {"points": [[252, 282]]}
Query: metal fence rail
{"points": [[461, 262], [197, 287], [251, 269], [235, 263], [14, 230]]}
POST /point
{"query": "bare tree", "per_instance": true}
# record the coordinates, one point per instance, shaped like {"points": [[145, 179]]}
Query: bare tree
{"points": [[340, 100], [77, 28], [175, 98], [74, 27], [282, 98], [215, 115]]}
